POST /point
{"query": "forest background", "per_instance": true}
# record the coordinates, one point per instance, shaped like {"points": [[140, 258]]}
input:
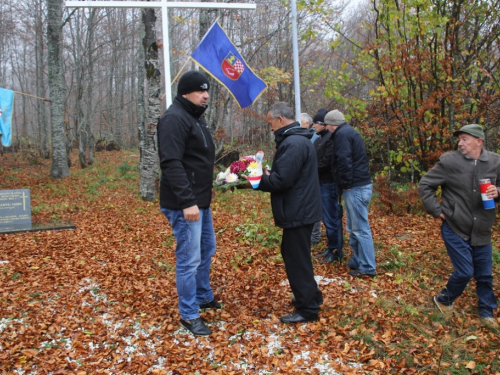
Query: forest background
{"points": [[405, 73]]}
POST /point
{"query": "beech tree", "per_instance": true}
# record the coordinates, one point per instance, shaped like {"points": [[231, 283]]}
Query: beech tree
{"points": [[149, 163], [60, 166]]}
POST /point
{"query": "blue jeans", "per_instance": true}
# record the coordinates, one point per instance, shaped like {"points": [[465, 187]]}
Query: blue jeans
{"points": [[469, 262], [356, 202], [194, 251], [332, 217]]}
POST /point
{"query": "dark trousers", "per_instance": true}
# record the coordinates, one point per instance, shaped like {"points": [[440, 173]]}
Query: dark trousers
{"points": [[296, 253], [332, 217], [469, 262]]}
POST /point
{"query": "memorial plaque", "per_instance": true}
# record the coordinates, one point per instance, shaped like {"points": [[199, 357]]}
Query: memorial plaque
{"points": [[15, 210]]}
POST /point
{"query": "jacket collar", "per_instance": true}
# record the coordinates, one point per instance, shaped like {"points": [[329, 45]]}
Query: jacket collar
{"points": [[191, 108], [483, 157], [323, 132]]}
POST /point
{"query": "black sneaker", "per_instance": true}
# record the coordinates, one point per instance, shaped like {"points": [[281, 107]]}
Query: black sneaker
{"points": [[295, 317], [330, 258], [196, 327], [213, 304], [358, 273]]}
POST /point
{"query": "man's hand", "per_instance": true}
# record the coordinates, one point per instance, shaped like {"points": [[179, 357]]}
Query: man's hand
{"points": [[192, 213], [248, 185], [441, 215], [492, 192]]}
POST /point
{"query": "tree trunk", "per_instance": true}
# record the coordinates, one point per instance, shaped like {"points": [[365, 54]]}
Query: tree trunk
{"points": [[149, 164], [54, 42]]}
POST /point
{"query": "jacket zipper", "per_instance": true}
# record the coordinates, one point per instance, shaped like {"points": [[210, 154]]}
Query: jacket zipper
{"points": [[203, 134]]}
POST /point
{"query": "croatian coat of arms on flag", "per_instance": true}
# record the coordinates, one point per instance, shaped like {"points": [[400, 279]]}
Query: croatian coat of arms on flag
{"points": [[232, 66]]}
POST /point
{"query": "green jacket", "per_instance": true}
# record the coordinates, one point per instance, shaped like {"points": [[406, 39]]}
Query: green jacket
{"points": [[461, 203]]}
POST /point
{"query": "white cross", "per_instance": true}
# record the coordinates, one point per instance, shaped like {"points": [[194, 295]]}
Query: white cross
{"points": [[164, 5]]}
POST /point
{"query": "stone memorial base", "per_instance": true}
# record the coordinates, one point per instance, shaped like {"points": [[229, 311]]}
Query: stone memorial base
{"points": [[36, 227]]}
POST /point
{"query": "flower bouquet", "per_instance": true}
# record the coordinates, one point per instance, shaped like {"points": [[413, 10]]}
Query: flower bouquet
{"points": [[250, 166]]}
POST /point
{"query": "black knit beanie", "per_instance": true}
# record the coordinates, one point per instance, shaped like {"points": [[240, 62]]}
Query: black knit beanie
{"points": [[320, 116], [192, 81]]}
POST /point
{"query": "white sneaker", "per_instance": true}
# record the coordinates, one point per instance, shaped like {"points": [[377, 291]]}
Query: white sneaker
{"points": [[446, 310], [489, 322]]}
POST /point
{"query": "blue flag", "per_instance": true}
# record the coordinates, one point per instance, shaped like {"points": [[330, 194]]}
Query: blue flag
{"points": [[6, 104], [220, 58]]}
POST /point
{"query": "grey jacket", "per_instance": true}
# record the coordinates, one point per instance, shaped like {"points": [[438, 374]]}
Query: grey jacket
{"points": [[461, 203]]}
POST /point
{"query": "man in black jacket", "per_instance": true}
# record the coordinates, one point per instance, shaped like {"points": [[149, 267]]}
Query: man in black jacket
{"points": [[295, 200], [187, 154], [351, 174], [332, 210]]}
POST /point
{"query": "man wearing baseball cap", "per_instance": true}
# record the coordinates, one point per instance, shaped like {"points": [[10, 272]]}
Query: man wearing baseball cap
{"points": [[466, 224], [187, 155]]}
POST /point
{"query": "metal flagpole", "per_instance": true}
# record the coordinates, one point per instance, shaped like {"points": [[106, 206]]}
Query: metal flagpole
{"points": [[296, 77]]}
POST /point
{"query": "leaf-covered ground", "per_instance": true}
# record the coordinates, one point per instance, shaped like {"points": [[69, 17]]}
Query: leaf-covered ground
{"points": [[101, 299]]}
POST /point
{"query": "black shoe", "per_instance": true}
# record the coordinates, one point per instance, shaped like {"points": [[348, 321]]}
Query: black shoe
{"points": [[358, 273], [330, 258], [294, 301], [196, 327], [295, 317], [323, 254], [213, 304]]}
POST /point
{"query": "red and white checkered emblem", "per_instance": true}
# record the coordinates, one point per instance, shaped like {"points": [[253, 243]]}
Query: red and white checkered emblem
{"points": [[232, 67], [239, 66]]}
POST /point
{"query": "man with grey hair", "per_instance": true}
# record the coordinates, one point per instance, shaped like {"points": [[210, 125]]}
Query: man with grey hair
{"points": [[466, 223], [296, 205], [306, 122]]}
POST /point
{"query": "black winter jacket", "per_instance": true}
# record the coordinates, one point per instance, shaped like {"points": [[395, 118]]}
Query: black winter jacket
{"points": [[293, 182], [349, 158], [323, 146], [187, 155]]}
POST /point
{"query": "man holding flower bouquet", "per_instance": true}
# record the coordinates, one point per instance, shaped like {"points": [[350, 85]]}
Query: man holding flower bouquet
{"points": [[187, 155], [296, 204]]}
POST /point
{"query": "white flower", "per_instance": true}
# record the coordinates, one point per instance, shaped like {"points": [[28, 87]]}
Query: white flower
{"points": [[221, 176], [231, 177]]}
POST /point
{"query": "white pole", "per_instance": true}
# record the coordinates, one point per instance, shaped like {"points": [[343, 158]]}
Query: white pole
{"points": [[296, 76], [166, 55]]}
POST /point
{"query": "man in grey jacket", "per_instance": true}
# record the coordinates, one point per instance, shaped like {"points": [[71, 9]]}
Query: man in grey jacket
{"points": [[466, 225]]}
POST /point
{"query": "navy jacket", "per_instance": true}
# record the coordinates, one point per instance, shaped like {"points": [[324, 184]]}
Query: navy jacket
{"points": [[187, 154], [293, 183], [323, 146], [349, 158]]}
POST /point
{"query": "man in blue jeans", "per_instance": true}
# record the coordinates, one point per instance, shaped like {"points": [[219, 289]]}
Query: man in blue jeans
{"points": [[466, 224], [351, 175], [187, 152]]}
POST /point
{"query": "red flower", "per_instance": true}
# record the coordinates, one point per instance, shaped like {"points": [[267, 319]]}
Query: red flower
{"points": [[238, 167], [249, 160]]}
